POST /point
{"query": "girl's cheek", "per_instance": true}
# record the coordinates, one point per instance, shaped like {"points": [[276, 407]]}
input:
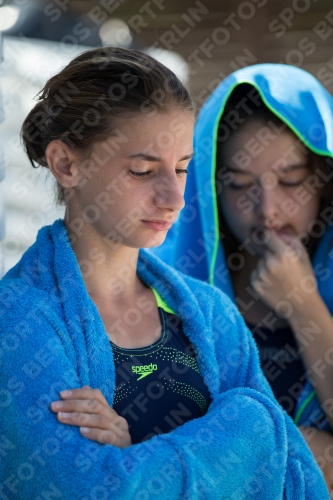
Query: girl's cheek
{"points": [[230, 198]]}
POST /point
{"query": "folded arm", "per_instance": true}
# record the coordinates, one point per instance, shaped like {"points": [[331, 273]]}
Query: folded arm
{"points": [[206, 457]]}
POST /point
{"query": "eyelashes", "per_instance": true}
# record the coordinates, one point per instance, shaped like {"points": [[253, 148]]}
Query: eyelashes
{"points": [[139, 174], [291, 184], [285, 184], [179, 171]]}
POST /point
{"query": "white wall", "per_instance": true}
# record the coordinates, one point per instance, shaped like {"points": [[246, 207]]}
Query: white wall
{"points": [[26, 192]]}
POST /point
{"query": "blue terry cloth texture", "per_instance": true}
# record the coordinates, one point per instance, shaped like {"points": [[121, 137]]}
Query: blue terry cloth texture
{"points": [[193, 245], [53, 338]]}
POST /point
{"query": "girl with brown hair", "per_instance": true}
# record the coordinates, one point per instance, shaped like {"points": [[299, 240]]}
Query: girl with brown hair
{"points": [[122, 378]]}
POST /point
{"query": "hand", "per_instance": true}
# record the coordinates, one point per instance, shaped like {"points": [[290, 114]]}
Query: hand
{"points": [[285, 273], [321, 444], [87, 407]]}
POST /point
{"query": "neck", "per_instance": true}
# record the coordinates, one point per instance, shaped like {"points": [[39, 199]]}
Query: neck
{"points": [[108, 268]]}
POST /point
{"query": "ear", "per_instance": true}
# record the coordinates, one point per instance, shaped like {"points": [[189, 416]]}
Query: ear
{"points": [[63, 163]]}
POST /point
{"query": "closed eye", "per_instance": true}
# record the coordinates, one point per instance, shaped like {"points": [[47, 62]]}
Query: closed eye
{"points": [[179, 171], [241, 180], [232, 185], [140, 174], [291, 184]]}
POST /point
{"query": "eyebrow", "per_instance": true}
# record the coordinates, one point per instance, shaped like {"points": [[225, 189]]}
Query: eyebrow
{"points": [[293, 167], [147, 157]]}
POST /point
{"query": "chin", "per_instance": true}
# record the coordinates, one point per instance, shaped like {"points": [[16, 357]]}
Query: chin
{"points": [[259, 250], [154, 240]]}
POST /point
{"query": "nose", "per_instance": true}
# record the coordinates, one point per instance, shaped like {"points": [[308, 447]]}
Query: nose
{"points": [[169, 192], [267, 205]]}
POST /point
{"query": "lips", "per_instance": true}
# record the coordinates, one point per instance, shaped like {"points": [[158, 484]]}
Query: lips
{"points": [[261, 233], [282, 230], [158, 225], [285, 234]]}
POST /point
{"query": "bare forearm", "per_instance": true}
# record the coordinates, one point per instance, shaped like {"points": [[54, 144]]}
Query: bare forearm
{"points": [[321, 445]]}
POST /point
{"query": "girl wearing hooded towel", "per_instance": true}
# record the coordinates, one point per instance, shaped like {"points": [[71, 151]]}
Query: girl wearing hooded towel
{"points": [[165, 395], [258, 224]]}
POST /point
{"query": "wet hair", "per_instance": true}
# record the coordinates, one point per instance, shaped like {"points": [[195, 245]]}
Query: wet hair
{"points": [[243, 107], [80, 104]]}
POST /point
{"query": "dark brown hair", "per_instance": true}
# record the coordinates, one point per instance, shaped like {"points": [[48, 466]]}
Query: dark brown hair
{"points": [[78, 104]]}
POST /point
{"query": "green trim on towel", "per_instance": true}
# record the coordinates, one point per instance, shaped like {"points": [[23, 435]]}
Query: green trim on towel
{"points": [[213, 159], [302, 408], [160, 302]]}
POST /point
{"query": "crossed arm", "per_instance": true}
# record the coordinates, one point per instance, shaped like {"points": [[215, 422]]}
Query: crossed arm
{"points": [[244, 444]]}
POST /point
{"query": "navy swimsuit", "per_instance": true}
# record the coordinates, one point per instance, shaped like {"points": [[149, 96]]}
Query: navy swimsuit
{"points": [[159, 387]]}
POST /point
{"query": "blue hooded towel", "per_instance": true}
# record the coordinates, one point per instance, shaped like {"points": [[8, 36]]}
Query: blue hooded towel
{"points": [[53, 338], [193, 244]]}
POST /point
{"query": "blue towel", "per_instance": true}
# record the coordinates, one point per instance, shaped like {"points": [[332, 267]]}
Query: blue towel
{"points": [[53, 338], [193, 244]]}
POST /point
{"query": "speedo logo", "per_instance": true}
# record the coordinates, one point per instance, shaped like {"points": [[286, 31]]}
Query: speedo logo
{"points": [[144, 370]]}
